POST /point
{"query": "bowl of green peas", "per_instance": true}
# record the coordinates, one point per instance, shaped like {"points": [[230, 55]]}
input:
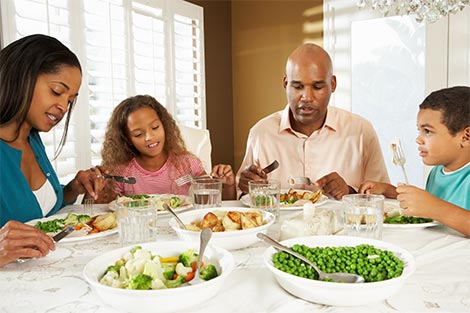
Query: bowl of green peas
{"points": [[384, 266]]}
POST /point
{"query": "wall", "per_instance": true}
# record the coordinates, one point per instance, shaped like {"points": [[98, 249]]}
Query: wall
{"points": [[218, 58], [263, 35]]}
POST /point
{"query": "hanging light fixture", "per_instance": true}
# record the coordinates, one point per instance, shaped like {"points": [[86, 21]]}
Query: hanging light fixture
{"points": [[428, 10]]}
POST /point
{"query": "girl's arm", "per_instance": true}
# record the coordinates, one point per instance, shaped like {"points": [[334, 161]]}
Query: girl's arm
{"points": [[225, 172]]}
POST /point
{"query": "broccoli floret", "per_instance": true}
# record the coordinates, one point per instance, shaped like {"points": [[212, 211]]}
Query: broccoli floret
{"points": [[175, 282], [71, 219], [113, 268], [189, 256], [175, 202], [208, 272], [133, 250], [84, 218], [140, 282], [168, 270]]}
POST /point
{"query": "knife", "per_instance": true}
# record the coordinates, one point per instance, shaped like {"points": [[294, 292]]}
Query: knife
{"points": [[67, 230], [121, 179]]}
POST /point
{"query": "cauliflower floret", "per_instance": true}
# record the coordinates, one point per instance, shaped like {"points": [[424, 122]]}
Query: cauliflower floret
{"points": [[123, 273], [182, 270], [128, 256], [142, 254], [152, 269], [111, 279], [158, 284], [135, 267]]}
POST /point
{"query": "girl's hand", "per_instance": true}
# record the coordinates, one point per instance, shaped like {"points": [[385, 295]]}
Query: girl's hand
{"points": [[224, 172], [18, 240]]}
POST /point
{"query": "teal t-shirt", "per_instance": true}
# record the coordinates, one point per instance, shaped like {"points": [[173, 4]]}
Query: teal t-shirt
{"points": [[452, 187]]}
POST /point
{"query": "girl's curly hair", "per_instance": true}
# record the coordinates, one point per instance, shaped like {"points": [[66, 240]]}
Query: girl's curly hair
{"points": [[118, 150]]}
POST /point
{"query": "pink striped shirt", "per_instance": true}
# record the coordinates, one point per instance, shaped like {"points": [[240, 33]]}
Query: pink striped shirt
{"points": [[161, 181]]}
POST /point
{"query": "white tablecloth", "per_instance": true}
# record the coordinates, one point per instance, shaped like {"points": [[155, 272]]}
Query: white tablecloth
{"points": [[55, 283]]}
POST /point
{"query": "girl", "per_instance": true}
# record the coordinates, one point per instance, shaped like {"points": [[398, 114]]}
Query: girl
{"points": [[142, 140]]}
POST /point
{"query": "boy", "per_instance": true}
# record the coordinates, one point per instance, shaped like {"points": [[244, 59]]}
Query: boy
{"points": [[443, 141]]}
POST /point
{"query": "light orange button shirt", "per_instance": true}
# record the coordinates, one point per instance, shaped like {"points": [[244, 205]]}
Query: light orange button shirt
{"points": [[347, 144]]}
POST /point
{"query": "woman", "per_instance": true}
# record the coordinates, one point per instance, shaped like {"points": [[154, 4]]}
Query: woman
{"points": [[39, 83]]}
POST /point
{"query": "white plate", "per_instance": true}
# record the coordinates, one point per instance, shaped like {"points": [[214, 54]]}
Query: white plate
{"points": [[391, 204], [77, 235], [245, 199], [184, 199]]}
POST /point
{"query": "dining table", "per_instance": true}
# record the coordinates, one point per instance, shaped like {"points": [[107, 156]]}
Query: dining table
{"points": [[56, 284]]}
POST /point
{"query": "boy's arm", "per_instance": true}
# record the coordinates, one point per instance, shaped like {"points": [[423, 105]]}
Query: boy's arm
{"points": [[418, 202]]}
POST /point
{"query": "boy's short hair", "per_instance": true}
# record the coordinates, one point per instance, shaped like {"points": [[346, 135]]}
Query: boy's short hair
{"points": [[454, 104]]}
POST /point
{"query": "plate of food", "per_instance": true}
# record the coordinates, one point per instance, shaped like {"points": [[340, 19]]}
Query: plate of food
{"points": [[86, 227], [294, 199], [394, 218], [176, 202]]}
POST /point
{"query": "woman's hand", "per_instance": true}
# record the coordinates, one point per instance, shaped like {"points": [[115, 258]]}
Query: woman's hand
{"points": [[18, 240], [90, 182]]}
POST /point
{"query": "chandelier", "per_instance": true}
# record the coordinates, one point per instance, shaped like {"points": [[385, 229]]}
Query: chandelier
{"points": [[429, 10]]}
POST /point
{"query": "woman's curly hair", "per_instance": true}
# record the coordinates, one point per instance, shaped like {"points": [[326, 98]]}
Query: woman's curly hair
{"points": [[118, 149]]}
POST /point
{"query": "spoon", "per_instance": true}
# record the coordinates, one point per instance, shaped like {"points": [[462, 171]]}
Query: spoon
{"points": [[336, 277], [206, 235], [180, 222]]}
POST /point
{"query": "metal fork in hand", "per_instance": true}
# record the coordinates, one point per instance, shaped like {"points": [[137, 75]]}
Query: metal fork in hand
{"points": [[88, 206], [398, 158], [183, 180]]}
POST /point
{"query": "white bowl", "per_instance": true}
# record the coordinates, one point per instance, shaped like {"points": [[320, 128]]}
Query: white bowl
{"points": [[340, 294], [229, 240], [164, 300]]}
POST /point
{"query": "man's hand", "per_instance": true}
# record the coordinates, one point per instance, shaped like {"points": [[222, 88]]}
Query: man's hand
{"points": [[253, 172], [334, 185]]}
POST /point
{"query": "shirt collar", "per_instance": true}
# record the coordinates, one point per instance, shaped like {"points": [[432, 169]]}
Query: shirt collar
{"points": [[331, 121]]}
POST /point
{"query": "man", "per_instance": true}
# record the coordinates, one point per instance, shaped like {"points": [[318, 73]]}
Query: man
{"points": [[336, 149]]}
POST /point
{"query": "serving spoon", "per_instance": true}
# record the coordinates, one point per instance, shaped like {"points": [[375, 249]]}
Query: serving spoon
{"points": [[336, 277], [204, 238], [180, 222]]}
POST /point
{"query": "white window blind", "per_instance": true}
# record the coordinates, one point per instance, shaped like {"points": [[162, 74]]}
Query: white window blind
{"points": [[126, 47]]}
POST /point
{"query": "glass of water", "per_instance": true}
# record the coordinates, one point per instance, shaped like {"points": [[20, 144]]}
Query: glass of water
{"points": [[207, 192], [264, 194], [363, 215], [137, 221]]}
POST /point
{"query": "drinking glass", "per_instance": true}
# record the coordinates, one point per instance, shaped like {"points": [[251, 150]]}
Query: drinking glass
{"points": [[207, 192], [137, 221], [363, 215], [264, 194]]}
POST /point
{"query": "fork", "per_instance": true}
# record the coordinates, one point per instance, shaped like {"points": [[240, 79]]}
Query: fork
{"points": [[88, 206], [183, 180], [398, 157]]}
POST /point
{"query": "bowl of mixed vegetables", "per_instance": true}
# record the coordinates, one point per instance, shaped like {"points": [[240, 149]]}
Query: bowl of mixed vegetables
{"points": [[153, 277], [384, 266]]}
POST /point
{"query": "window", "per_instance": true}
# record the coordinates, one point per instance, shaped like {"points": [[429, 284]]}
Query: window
{"points": [[126, 47]]}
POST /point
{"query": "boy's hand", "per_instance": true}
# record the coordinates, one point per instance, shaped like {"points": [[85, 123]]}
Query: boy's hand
{"points": [[416, 201], [224, 172]]}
